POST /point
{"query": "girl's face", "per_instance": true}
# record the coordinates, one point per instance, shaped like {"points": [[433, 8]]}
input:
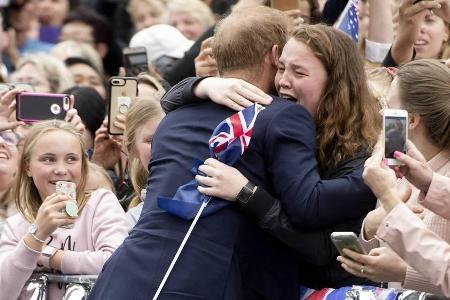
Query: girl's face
{"points": [[30, 74], [9, 156], [146, 16], [189, 26], [56, 155], [433, 33], [144, 136], [301, 75]]}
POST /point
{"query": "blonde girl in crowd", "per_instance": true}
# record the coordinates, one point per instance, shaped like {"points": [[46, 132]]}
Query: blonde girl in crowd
{"points": [[141, 122], [43, 237]]}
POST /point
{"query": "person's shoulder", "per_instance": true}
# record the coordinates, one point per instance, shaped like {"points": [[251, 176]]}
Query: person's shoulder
{"points": [[280, 107], [16, 220], [100, 195]]}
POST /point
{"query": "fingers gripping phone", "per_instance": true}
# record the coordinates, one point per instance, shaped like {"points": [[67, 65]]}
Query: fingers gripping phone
{"points": [[347, 240], [135, 60], [32, 107], [395, 133], [285, 5], [122, 91]]}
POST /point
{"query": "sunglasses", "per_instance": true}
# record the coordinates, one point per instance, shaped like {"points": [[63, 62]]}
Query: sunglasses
{"points": [[9, 138]]}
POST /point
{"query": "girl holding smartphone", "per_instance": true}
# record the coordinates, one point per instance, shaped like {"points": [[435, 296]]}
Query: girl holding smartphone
{"points": [[34, 239]]}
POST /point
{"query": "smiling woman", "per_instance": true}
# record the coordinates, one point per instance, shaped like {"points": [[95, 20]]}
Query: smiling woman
{"points": [[52, 152]]}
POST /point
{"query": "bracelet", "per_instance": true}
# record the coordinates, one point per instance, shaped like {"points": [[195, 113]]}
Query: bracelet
{"points": [[36, 238], [29, 248]]}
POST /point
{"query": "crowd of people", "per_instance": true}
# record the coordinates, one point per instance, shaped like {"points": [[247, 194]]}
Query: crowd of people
{"points": [[269, 121]]}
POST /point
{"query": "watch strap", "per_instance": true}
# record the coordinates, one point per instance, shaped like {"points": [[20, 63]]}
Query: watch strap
{"points": [[32, 230], [245, 193], [47, 253]]}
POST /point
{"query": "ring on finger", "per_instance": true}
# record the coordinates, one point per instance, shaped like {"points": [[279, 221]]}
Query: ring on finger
{"points": [[362, 269]]}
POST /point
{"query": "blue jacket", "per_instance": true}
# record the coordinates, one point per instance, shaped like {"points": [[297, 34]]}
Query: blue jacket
{"points": [[227, 256]]}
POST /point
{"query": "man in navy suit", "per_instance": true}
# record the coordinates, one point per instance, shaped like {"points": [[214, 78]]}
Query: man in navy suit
{"points": [[227, 256]]}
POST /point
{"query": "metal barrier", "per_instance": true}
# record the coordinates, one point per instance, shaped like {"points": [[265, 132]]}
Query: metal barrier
{"points": [[78, 287]]}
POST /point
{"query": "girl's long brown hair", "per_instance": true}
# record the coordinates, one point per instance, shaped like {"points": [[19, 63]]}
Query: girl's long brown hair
{"points": [[347, 116]]}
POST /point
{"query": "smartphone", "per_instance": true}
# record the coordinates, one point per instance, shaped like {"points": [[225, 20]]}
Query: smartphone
{"points": [[32, 107], [395, 133], [347, 240], [135, 60], [122, 91], [285, 5], [70, 189]]}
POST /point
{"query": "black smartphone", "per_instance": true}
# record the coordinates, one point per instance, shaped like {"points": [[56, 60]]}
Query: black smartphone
{"points": [[32, 107], [135, 60]]}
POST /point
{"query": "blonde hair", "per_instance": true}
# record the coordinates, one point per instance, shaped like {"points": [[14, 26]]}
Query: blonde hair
{"points": [[27, 196], [379, 80], [102, 179], [55, 71], [141, 111], [68, 49], [154, 82], [196, 8], [424, 88]]}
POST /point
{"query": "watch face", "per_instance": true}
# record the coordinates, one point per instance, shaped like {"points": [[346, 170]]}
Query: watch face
{"points": [[32, 229]]}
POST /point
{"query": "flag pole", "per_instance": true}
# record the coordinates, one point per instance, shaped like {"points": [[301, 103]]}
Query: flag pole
{"points": [[183, 243]]}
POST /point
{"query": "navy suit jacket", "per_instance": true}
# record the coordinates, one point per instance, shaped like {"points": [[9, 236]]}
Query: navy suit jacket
{"points": [[227, 257]]}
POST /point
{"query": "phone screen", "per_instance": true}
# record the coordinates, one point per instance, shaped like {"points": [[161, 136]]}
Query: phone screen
{"points": [[137, 58], [394, 135]]}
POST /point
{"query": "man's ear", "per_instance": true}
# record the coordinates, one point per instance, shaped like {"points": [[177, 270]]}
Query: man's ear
{"points": [[413, 121], [102, 49], [274, 56]]}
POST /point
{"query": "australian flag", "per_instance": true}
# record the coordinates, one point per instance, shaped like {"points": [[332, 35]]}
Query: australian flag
{"points": [[348, 20], [227, 144]]}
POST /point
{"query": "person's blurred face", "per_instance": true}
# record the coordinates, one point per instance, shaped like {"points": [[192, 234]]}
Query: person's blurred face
{"points": [[22, 17], [433, 33], [52, 12], [77, 31], [145, 16], [144, 136], [189, 26], [9, 156], [301, 75], [84, 75], [30, 74]]}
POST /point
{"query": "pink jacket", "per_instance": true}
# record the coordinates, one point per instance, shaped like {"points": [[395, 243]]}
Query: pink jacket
{"points": [[98, 231], [436, 220], [421, 248]]}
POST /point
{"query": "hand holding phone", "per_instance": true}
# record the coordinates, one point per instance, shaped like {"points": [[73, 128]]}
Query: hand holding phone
{"points": [[395, 133], [123, 90], [347, 240]]}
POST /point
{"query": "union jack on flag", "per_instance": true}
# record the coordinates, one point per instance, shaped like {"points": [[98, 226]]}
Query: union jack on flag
{"points": [[348, 20], [232, 136]]}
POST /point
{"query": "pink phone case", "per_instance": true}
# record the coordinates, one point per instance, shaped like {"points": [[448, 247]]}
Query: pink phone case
{"points": [[32, 107]]}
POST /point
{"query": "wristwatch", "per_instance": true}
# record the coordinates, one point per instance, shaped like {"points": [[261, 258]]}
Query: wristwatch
{"points": [[246, 193], [32, 230], [46, 255]]}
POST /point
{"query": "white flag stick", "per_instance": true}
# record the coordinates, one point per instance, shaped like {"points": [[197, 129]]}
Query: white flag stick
{"points": [[183, 243]]}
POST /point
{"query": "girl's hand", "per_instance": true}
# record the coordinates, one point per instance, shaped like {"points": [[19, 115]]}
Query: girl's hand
{"points": [[205, 64], [236, 94], [220, 180], [51, 215], [381, 264], [106, 149], [8, 102]]}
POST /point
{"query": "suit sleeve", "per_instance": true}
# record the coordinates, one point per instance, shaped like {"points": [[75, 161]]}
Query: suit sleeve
{"points": [[309, 202], [181, 94]]}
